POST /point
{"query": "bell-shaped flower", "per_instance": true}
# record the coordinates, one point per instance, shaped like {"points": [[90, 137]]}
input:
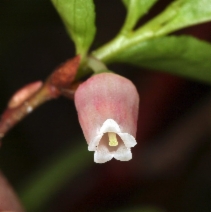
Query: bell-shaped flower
{"points": [[107, 106]]}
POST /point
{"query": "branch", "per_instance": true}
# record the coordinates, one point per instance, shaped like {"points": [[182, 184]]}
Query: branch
{"points": [[24, 101]]}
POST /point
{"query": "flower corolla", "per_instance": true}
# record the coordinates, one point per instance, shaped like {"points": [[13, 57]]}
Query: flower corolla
{"points": [[107, 106]]}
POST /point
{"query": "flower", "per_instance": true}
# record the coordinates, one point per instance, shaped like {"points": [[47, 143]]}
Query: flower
{"points": [[107, 106]]}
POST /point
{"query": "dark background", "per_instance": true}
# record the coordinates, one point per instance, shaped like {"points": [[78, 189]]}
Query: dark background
{"points": [[171, 163]]}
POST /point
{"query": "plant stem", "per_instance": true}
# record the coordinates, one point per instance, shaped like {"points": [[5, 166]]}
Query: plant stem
{"points": [[110, 51], [57, 84]]}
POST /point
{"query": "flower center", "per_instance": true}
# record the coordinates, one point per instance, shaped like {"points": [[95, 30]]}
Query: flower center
{"points": [[112, 139]]}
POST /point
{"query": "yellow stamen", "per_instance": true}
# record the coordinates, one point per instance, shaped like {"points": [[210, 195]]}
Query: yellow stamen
{"points": [[112, 139]]}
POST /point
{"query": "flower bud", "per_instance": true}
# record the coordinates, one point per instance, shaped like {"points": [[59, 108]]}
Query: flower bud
{"points": [[107, 106], [24, 93]]}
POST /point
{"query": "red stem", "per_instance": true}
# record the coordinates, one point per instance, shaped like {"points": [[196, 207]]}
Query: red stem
{"points": [[59, 82]]}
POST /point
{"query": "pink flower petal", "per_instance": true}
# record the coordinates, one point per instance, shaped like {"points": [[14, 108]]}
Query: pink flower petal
{"points": [[107, 103]]}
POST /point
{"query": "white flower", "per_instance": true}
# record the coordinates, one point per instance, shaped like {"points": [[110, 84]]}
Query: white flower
{"points": [[110, 143]]}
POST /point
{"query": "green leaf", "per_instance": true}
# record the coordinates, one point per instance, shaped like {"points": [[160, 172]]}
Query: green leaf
{"points": [[135, 10], [182, 55], [180, 14], [78, 17]]}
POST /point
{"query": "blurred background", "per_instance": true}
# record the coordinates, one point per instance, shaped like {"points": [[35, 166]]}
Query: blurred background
{"points": [[45, 157]]}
